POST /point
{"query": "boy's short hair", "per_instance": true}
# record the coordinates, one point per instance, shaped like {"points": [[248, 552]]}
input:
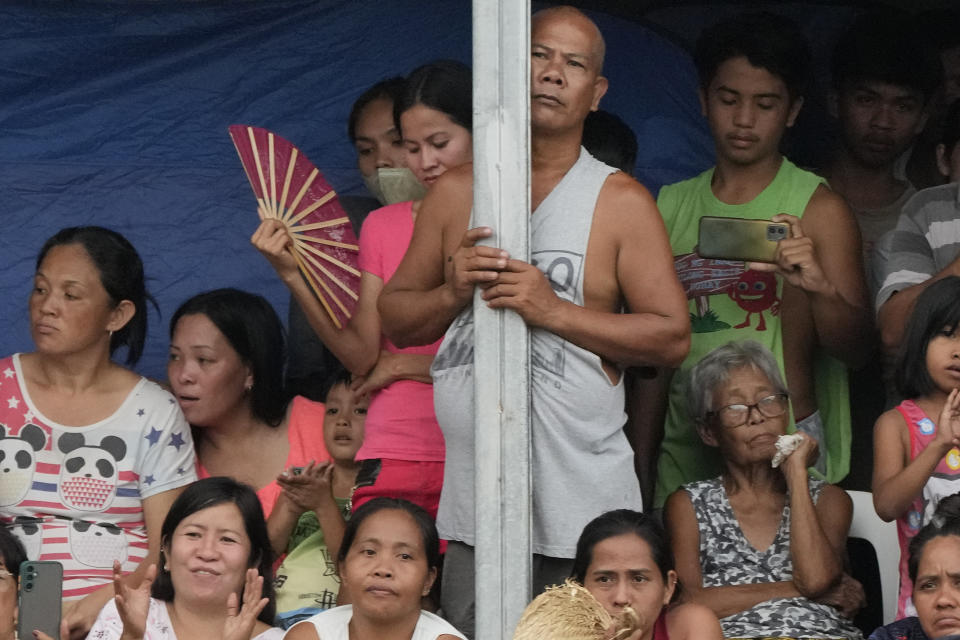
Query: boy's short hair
{"points": [[767, 40], [886, 46], [339, 375]]}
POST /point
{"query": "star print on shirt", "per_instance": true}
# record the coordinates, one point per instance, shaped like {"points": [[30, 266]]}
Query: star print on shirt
{"points": [[176, 441], [154, 436], [140, 413], [12, 403], [149, 480], [8, 372], [28, 416], [181, 471]]}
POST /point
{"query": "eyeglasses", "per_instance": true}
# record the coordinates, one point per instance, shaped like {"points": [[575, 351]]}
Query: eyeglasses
{"points": [[737, 415]]}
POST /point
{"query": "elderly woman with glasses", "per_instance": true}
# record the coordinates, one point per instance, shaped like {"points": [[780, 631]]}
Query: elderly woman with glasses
{"points": [[761, 546]]}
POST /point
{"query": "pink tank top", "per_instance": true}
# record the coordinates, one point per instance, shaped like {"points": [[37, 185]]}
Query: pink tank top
{"points": [[944, 481], [401, 424]]}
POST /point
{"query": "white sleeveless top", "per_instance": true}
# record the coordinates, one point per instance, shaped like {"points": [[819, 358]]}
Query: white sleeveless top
{"points": [[332, 625], [582, 464]]}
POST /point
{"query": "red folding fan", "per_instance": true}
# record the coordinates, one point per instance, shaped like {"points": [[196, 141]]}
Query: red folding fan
{"points": [[289, 188]]}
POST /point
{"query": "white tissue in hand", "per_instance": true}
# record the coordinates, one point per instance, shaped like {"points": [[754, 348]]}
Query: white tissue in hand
{"points": [[785, 446]]}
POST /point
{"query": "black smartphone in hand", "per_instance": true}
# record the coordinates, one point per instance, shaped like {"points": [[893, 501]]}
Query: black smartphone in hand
{"points": [[39, 599]]}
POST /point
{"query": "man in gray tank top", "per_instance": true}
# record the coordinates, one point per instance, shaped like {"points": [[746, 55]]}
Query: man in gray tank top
{"points": [[601, 294]]}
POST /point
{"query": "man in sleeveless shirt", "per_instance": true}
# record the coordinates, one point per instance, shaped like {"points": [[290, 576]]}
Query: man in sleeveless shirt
{"points": [[598, 245], [808, 305]]}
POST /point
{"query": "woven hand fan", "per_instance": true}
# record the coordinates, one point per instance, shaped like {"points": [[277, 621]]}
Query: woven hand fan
{"points": [[289, 188], [570, 612]]}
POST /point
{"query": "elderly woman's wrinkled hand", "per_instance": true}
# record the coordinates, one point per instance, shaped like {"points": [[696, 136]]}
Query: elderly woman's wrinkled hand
{"points": [[847, 596], [804, 456]]}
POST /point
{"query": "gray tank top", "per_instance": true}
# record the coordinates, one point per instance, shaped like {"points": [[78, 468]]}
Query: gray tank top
{"points": [[582, 464]]}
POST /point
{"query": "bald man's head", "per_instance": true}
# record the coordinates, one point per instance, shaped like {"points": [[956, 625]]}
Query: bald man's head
{"points": [[564, 13]]}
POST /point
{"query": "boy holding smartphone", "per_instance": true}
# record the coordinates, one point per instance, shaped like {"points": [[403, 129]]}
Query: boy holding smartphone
{"points": [[809, 306]]}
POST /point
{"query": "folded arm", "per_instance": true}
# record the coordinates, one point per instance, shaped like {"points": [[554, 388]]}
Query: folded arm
{"points": [[681, 523], [818, 533]]}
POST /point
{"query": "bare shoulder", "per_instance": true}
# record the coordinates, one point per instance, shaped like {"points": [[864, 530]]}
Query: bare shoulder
{"points": [[455, 178], [890, 422], [624, 201], [833, 497], [692, 622], [126, 379], [302, 631], [450, 194], [679, 516], [448, 636], [826, 209], [457, 183], [679, 500]]}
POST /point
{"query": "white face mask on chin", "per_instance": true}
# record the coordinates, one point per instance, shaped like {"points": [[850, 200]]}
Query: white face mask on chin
{"points": [[390, 185]]}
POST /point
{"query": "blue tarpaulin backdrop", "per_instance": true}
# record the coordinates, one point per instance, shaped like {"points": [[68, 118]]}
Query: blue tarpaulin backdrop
{"points": [[116, 114]]}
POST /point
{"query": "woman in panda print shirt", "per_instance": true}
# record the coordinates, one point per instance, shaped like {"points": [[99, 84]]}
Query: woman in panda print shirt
{"points": [[91, 454]]}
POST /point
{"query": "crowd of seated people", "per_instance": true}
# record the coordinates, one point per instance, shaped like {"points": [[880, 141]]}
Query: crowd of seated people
{"points": [[225, 505]]}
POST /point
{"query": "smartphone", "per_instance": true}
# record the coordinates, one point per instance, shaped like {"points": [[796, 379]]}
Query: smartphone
{"points": [[740, 239], [41, 583]]}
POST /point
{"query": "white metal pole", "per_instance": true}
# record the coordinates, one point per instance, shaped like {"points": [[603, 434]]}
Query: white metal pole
{"points": [[501, 200]]}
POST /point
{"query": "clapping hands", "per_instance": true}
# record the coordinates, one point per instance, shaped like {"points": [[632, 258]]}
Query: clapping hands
{"points": [[309, 488], [133, 603], [241, 619], [948, 426]]}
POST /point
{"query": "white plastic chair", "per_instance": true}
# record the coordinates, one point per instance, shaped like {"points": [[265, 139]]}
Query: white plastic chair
{"points": [[882, 536]]}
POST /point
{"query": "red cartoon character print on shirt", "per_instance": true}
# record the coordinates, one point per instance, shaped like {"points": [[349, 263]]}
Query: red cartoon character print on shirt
{"points": [[756, 292], [705, 279]]}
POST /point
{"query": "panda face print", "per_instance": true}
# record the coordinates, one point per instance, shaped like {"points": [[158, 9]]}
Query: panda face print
{"points": [[97, 544], [88, 476], [29, 531], [18, 461]]}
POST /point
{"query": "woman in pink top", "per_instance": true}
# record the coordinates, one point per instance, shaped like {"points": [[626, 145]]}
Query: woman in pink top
{"points": [[403, 447], [226, 371]]}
